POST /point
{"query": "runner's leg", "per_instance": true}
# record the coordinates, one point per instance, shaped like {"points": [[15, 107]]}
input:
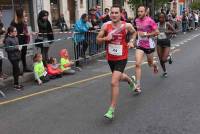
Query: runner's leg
{"points": [[131, 81], [151, 62], [116, 76], [126, 78], [165, 54], [139, 55], [160, 53]]}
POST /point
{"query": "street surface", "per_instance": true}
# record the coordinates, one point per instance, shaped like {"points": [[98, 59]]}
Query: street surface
{"points": [[76, 104]]}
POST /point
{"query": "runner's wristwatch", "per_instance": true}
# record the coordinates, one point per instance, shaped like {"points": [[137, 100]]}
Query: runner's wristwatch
{"points": [[132, 40]]}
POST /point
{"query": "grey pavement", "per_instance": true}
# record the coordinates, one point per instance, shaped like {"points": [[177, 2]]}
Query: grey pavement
{"points": [[166, 106]]}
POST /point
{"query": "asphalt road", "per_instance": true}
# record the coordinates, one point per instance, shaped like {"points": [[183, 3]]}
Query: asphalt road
{"points": [[76, 104]]}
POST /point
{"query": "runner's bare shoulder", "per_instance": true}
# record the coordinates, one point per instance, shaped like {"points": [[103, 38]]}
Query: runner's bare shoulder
{"points": [[104, 26]]}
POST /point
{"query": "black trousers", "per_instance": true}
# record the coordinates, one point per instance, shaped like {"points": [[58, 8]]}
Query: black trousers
{"points": [[44, 52], [23, 56], [16, 70], [1, 62]]}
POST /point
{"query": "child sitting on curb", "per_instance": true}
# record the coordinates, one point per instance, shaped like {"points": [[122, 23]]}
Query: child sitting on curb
{"points": [[53, 69], [40, 73], [65, 62]]}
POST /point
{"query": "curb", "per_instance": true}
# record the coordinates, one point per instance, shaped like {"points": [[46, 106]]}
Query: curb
{"points": [[27, 77]]}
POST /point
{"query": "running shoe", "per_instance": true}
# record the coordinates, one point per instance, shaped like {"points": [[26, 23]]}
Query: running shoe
{"points": [[164, 75], [18, 87], [138, 89], [132, 84], [170, 59], [110, 114]]}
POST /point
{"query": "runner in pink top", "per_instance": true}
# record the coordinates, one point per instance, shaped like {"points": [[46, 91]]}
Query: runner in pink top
{"points": [[146, 29], [147, 25]]}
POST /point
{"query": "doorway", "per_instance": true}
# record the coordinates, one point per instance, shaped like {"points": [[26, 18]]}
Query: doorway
{"points": [[72, 11]]}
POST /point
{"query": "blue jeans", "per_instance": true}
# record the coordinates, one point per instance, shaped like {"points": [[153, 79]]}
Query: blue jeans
{"points": [[184, 27]]}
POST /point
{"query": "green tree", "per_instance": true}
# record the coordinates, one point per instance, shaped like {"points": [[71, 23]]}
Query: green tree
{"points": [[158, 3], [195, 5]]}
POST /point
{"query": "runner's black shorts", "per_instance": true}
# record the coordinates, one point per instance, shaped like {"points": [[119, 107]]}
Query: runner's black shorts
{"points": [[145, 50], [117, 65], [164, 42]]}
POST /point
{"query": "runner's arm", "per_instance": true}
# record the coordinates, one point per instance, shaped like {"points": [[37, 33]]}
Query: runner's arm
{"points": [[153, 34], [131, 30], [170, 28], [101, 36]]}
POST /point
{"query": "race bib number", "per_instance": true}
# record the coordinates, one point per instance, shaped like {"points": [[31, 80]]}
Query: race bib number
{"points": [[114, 49], [45, 73], [162, 36]]}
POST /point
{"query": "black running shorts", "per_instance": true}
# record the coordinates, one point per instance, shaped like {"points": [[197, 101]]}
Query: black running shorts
{"points": [[146, 51], [117, 65]]}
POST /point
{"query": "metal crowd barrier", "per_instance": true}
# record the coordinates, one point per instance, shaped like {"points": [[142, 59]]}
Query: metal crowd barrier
{"points": [[85, 45], [80, 45]]}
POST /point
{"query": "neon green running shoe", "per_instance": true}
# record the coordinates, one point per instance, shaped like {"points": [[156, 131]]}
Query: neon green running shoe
{"points": [[132, 84], [110, 114]]}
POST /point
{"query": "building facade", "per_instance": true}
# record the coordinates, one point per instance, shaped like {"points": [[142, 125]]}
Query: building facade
{"points": [[179, 5], [7, 7], [72, 9]]}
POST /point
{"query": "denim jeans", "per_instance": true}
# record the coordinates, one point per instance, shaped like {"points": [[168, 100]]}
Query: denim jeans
{"points": [[184, 27]]}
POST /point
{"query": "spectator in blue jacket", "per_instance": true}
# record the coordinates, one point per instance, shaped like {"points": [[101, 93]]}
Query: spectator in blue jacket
{"points": [[81, 27]]}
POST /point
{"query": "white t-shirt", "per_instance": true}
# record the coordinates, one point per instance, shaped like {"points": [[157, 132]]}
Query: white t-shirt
{"points": [[196, 18]]}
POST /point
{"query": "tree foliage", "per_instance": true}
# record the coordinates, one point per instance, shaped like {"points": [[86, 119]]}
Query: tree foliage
{"points": [[195, 5], [157, 3]]}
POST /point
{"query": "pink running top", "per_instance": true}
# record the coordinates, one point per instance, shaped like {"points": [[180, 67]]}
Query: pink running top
{"points": [[148, 25]]}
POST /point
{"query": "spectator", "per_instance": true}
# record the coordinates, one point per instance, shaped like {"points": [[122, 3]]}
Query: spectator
{"points": [[196, 20], [94, 19], [81, 27], [191, 20], [124, 15], [53, 69], [148, 12], [26, 32], [18, 22], [98, 12], [14, 54], [2, 31], [65, 62], [62, 23], [40, 72], [45, 28], [99, 15], [184, 22], [106, 16]]}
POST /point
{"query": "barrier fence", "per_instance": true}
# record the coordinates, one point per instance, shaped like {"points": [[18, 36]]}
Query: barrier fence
{"points": [[84, 44]]}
